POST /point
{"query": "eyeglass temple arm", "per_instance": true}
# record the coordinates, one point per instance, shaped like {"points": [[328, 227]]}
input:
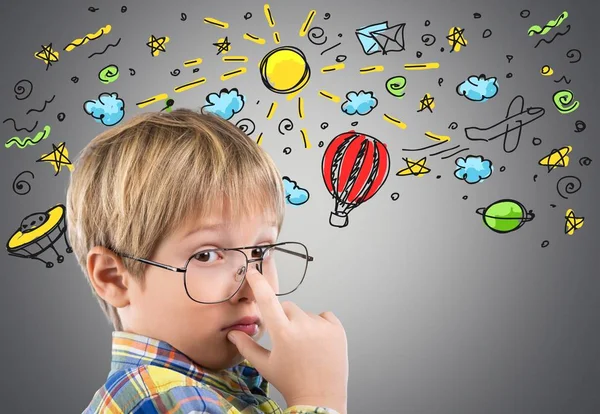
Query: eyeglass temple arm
{"points": [[309, 258], [150, 262]]}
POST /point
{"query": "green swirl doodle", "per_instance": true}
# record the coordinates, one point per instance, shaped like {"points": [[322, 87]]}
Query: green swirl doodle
{"points": [[564, 102], [109, 74], [535, 29], [27, 140], [396, 85]]}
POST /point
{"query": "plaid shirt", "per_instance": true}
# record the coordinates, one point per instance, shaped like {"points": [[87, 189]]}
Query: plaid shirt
{"points": [[150, 376]]}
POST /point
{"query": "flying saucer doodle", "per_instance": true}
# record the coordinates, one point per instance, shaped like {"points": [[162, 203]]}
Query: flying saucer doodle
{"points": [[39, 232], [354, 168], [505, 216], [510, 127]]}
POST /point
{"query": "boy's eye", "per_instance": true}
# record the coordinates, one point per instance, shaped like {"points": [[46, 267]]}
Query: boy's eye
{"points": [[257, 252], [205, 256]]}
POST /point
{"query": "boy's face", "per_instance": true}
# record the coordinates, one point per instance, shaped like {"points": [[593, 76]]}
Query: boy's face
{"points": [[164, 311]]}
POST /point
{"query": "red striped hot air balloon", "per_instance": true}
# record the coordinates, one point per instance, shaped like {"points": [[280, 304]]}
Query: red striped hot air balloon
{"points": [[355, 166]]}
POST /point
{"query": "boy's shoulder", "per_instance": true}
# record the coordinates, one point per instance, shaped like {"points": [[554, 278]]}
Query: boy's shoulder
{"points": [[151, 388]]}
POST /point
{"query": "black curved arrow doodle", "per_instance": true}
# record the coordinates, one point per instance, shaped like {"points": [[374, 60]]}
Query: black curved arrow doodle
{"points": [[289, 125], [516, 118], [246, 125], [554, 37], [20, 129], [570, 184], [572, 53], [23, 87], [106, 48], [44, 108], [18, 185]]}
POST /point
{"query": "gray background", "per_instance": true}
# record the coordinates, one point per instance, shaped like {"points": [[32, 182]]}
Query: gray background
{"points": [[442, 314]]}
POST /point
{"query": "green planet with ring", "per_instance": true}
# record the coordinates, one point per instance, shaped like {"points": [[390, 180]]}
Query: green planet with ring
{"points": [[504, 216]]}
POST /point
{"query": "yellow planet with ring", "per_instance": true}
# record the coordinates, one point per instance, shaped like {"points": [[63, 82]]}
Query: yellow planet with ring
{"points": [[546, 70], [284, 70]]}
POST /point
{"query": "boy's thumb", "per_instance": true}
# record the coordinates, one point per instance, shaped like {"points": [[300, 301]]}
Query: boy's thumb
{"points": [[253, 352]]}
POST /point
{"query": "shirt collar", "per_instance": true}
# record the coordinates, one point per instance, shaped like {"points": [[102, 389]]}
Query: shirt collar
{"points": [[130, 350]]}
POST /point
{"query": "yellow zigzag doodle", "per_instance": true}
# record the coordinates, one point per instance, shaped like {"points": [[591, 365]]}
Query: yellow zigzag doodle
{"points": [[87, 38], [45, 133]]}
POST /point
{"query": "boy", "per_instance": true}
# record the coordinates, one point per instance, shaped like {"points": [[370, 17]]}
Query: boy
{"points": [[154, 208]]}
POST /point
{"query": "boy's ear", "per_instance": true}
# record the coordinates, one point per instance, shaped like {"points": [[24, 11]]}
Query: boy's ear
{"points": [[108, 276]]}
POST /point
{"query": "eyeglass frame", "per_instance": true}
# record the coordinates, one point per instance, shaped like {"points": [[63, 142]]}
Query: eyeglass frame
{"points": [[266, 247]]}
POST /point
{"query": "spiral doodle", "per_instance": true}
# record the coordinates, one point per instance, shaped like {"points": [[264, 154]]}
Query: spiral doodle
{"points": [[427, 23], [564, 101], [175, 72], [74, 79], [453, 125], [321, 143], [440, 81], [419, 54], [579, 126], [93, 9], [196, 70], [487, 33], [326, 16], [60, 116], [324, 125], [289, 125], [525, 13], [585, 161], [545, 244], [535, 178], [536, 141], [246, 125], [509, 75], [123, 9], [428, 39], [131, 72], [395, 196], [312, 35], [572, 185], [247, 16], [18, 185], [571, 55], [23, 87], [465, 197], [183, 17], [339, 59], [287, 150]]}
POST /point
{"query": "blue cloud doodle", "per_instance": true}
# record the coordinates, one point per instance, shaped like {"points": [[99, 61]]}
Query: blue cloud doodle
{"points": [[108, 109], [478, 88], [360, 103], [293, 194], [473, 169], [226, 103]]}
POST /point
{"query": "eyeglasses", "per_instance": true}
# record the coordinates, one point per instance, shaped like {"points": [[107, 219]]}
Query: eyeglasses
{"points": [[283, 264]]}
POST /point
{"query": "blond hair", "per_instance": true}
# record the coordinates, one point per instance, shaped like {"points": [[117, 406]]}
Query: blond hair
{"points": [[136, 183]]}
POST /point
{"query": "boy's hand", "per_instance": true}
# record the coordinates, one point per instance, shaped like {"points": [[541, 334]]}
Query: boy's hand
{"points": [[309, 360]]}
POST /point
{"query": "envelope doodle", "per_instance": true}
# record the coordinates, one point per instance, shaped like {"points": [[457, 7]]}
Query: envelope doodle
{"points": [[381, 38]]}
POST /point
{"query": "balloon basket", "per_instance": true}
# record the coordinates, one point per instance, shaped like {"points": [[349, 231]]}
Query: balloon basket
{"points": [[338, 220]]}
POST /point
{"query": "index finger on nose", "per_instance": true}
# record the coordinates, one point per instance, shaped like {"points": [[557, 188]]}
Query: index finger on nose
{"points": [[270, 308]]}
